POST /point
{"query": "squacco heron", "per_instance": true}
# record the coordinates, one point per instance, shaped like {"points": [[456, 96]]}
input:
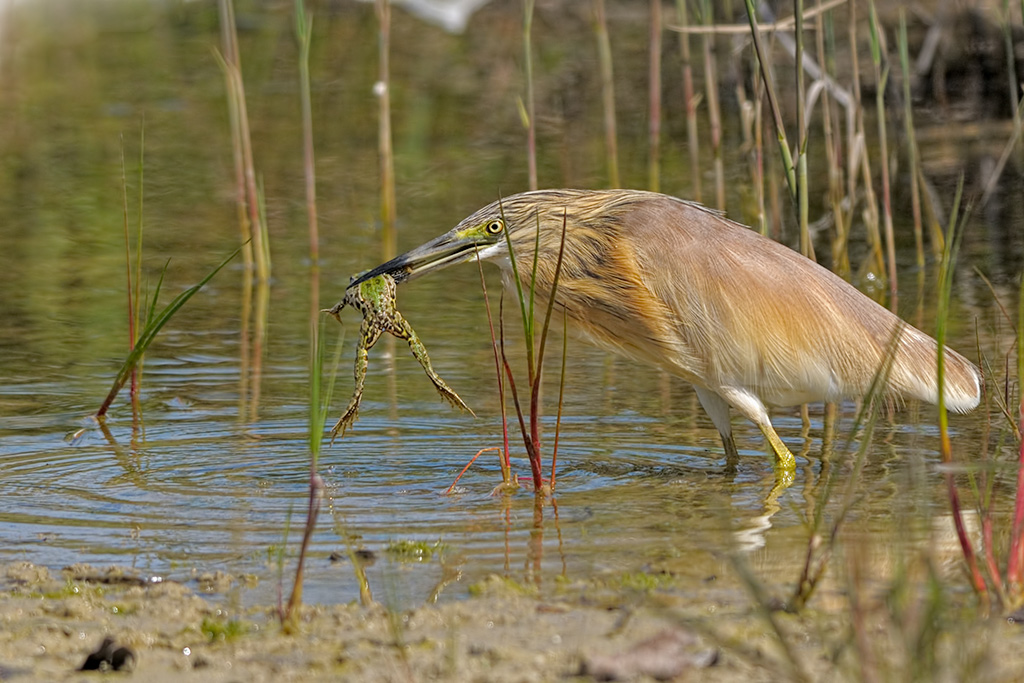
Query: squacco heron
{"points": [[747, 321]]}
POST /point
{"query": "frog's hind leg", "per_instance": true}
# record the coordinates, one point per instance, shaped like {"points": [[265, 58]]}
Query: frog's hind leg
{"points": [[368, 338], [420, 352]]}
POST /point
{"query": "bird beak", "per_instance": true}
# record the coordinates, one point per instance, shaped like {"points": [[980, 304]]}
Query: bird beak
{"points": [[441, 252]]}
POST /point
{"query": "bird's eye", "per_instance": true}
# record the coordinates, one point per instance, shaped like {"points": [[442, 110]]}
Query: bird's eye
{"points": [[495, 227]]}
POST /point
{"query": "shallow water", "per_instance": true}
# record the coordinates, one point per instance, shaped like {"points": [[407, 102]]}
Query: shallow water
{"points": [[211, 479]]}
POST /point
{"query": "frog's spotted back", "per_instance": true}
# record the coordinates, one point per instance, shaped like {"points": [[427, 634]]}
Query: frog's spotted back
{"points": [[376, 300]]}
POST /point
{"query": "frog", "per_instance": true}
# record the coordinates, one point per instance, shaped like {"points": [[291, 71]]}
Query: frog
{"points": [[376, 300]]}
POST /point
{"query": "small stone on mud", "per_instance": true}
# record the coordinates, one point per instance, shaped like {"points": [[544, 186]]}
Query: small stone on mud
{"points": [[663, 656]]}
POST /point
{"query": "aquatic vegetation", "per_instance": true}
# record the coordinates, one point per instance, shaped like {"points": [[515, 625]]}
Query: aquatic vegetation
{"points": [[414, 551], [154, 324], [502, 586], [224, 629]]}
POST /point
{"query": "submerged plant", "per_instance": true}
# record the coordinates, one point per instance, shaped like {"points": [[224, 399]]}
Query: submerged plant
{"points": [[414, 551]]}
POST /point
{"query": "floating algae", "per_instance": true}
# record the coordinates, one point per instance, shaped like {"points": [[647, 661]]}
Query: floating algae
{"points": [[375, 299]]}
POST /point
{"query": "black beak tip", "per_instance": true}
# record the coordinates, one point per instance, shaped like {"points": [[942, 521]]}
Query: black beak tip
{"points": [[397, 272]]}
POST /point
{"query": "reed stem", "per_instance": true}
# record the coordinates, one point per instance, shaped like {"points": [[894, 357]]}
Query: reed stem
{"points": [[949, 253], [758, 155], [388, 205], [303, 33], [826, 52], [604, 51], [913, 157], [654, 113], [806, 248], [505, 460], [230, 62], [131, 293], [881, 78], [1015, 564], [773, 104], [857, 123], [714, 110], [693, 144], [531, 121], [1011, 61]]}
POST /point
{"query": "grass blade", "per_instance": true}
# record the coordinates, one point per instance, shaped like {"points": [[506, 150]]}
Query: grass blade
{"points": [[153, 326], [952, 245]]}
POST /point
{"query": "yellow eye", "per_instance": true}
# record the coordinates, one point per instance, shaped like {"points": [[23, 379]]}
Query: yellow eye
{"points": [[495, 227]]}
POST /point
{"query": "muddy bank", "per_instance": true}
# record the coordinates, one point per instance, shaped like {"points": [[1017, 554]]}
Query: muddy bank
{"points": [[52, 622]]}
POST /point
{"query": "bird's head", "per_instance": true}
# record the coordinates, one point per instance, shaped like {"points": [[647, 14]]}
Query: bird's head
{"points": [[526, 221]]}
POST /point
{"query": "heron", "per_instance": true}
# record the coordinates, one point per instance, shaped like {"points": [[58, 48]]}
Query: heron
{"points": [[747, 321]]}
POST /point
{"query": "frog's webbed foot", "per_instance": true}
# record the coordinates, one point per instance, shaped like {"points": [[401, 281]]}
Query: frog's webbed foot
{"points": [[447, 393], [369, 337], [347, 418], [335, 310], [420, 352]]}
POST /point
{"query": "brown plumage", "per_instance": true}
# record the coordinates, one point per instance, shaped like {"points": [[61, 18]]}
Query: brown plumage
{"points": [[746, 320]]}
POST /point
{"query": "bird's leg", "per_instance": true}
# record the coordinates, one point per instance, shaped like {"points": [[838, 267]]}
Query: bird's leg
{"points": [[718, 410], [369, 334], [751, 407]]}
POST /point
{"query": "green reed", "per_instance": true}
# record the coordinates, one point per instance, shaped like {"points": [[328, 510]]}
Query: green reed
{"points": [[133, 290], [1015, 564], [881, 78], [654, 98], [140, 339], [386, 153], [825, 43], [770, 94], [319, 396], [247, 191], [303, 35], [912, 153], [946, 448], [1006, 21], [692, 136], [535, 348], [529, 114], [711, 93], [604, 52], [806, 248], [154, 323]]}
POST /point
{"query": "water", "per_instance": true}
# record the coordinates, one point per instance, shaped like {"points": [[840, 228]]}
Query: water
{"points": [[212, 480]]}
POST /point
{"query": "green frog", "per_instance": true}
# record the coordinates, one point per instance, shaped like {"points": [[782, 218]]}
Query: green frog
{"points": [[376, 300]]}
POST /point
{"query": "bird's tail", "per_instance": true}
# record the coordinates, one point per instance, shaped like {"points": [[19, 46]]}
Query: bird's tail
{"points": [[914, 373]]}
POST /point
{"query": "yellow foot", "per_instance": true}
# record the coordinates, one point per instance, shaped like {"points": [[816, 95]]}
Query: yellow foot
{"points": [[784, 459]]}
